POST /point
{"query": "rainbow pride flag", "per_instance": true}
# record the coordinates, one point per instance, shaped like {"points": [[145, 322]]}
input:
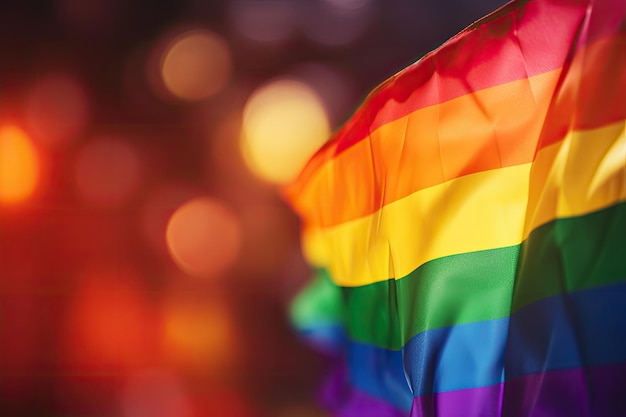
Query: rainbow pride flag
{"points": [[468, 225]]}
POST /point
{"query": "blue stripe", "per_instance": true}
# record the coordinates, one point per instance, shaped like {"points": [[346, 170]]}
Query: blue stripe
{"points": [[380, 373], [582, 328], [327, 338], [585, 328], [456, 357]]}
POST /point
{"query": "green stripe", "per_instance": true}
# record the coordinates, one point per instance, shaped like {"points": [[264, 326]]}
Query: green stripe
{"points": [[318, 304], [442, 292], [562, 256], [572, 254]]}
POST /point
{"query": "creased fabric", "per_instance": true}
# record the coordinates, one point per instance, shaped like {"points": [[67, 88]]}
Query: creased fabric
{"points": [[470, 219]]}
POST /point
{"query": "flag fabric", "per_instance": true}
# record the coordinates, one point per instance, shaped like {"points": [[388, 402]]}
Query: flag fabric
{"points": [[469, 225]]}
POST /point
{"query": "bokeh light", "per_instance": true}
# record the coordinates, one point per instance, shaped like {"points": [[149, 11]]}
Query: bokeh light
{"points": [[284, 123], [196, 65], [203, 237], [19, 165], [158, 208], [56, 110], [147, 260], [199, 335], [107, 171], [110, 324]]}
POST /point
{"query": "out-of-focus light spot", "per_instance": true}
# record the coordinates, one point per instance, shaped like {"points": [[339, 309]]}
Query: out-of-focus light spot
{"points": [[196, 65], [266, 21], [158, 208], [284, 123], [336, 22], [203, 237], [155, 393], [199, 335], [56, 110], [107, 172], [110, 324], [19, 165]]}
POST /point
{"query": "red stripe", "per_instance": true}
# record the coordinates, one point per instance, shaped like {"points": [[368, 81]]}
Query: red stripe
{"points": [[530, 39], [591, 93]]}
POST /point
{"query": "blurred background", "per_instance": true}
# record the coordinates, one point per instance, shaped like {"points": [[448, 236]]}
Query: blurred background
{"points": [[146, 257]]}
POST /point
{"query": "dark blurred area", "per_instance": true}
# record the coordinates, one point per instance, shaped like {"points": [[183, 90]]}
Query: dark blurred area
{"points": [[146, 257]]}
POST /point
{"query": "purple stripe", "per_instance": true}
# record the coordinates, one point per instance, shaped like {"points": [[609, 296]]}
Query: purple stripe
{"points": [[484, 401], [342, 400], [586, 392]]}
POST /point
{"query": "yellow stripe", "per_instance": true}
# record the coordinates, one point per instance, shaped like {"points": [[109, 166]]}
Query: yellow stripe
{"points": [[583, 173]]}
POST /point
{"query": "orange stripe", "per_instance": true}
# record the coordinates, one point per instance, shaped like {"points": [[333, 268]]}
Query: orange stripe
{"points": [[472, 133], [488, 129]]}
